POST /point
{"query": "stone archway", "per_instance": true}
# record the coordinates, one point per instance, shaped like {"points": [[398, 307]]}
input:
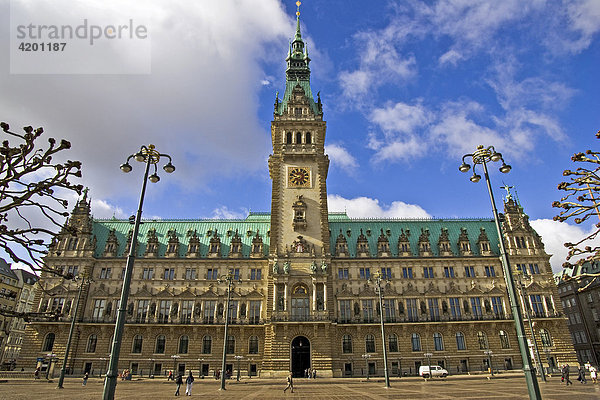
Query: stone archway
{"points": [[300, 356]]}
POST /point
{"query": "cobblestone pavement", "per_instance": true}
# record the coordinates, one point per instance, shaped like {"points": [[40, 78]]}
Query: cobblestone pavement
{"points": [[473, 387]]}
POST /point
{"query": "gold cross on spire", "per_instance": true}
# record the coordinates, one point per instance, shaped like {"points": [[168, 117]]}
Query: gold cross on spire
{"points": [[298, 5]]}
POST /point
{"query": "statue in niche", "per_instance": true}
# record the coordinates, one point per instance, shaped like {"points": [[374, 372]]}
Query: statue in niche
{"points": [[286, 267], [324, 267], [313, 267], [275, 268]]}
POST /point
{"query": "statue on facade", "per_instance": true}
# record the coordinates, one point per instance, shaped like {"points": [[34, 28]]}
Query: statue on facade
{"points": [[324, 267], [286, 267], [275, 268], [313, 267]]}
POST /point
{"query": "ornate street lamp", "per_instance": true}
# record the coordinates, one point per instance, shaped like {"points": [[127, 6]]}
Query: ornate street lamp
{"points": [[175, 357], [428, 356], [376, 278], [52, 357], [150, 157], [150, 375], [200, 374], [483, 156], [63, 370], [366, 357], [229, 280], [238, 358]]}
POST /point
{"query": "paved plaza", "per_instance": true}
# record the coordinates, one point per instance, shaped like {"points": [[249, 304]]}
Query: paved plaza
{"points": [[460, 387]]}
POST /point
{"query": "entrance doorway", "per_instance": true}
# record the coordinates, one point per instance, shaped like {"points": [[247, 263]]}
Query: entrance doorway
{"points": [[300, 356]]}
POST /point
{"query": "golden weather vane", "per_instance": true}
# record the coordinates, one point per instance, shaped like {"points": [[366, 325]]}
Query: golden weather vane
{"points": [[298, 11]]}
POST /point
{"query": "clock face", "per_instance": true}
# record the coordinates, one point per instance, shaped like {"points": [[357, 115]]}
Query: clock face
{"points": [[298, 176]]}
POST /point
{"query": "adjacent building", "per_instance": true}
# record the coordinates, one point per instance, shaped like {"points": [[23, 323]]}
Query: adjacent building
{"points": [[302, 297], [580, 298], [9, 292]]}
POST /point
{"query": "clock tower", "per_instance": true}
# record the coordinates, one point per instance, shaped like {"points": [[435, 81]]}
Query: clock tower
{"points": [[298, 166]]}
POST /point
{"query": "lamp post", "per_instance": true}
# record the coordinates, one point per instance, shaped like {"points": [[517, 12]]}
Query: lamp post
{"points": [[366, 357], [149, 156], [489, 353], [228, 279], [63, 370], [377, 278], [428, 356], [50, 375], [482, 156], [150, 374], [200, 374], [105, 367], [238, 358], [175, 357]]}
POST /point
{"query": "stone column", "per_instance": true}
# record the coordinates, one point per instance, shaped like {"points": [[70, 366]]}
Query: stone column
{"points": [[314, 296]]}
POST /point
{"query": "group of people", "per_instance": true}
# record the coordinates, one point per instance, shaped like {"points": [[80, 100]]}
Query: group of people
{"points": [[188, 384], [126, 375], [565, 371], [310, 373]]}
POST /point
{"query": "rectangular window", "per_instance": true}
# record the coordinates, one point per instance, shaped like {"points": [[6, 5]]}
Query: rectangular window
{"points": [[428, 272], [386, 273], [233, 311], [490, 272], [186, 311], [190, 274], [209, 311], [99, 306], [389, 310], [280, 298], [72, 269], [255, 274], [254, 312], [367, 310], [434, 309], [460, 341], [407, 272], [212, 274], [345, 311], [164, 310], [470, 272], [522, 268], [235, 272], [537, 306], [498, 307], [105, 273], [449, 272], [169, 274], [476, 307], [534, 269], [365, 273], [148, 273], [142, 310], [343, 273], [411, 310], [455, 307]]}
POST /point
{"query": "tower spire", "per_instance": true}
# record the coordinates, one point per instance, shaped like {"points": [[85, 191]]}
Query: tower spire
{"points": [[298, 35]]}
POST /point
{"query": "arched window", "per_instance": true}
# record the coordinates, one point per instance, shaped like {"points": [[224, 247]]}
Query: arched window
{"points": [[438, 341], [370, 344], [504, 340], [298, 137], [308, 138], [546, 338], [460, 341], [253, 345], [393, 343], [49, 342], [288, 138], [230, 345], [207, 345], [416, 342], [183, 344], [160, 344], [347, 344], [91, 344], [482, 339], [137, 344]]}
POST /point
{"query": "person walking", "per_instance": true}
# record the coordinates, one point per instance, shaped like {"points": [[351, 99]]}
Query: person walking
{"points": [[36, 374], [188, 384], [581, 376], [290, 383], [565, 372], [178, 382], [594, 374], [85, 378]]}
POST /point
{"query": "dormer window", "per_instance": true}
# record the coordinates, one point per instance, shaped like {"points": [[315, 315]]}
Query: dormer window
{"points": [[362, 245], [383, 245], [235, 249], [341, 246], [214, 248], [257, 246], [463, 243]]}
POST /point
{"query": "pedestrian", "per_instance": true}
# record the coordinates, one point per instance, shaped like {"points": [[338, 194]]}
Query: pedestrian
{"points": [[188, 384], [290, 383], [594, 374], [581, 376], [565, 372], [36, 374], [85, 378], [178, 382], [314, 373], [170, 377]]}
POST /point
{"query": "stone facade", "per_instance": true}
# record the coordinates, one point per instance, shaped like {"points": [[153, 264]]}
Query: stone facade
{"points": [[304, 298]]}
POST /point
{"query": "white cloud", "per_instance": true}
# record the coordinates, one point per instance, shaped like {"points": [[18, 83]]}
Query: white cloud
{"points": [[555, 234], [583, 17], [103, 209], [365, 207], [450, 57], [223, 212], [341, 157]]}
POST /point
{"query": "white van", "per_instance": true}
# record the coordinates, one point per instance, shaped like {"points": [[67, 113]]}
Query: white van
{"points": [[428, 371]]}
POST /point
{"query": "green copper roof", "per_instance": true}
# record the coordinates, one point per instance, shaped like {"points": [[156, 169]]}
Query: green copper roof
{"points": [[260, 222], [392, 228]]}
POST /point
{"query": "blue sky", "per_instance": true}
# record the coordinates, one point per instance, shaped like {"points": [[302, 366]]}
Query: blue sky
{"points": [[408, 87]]}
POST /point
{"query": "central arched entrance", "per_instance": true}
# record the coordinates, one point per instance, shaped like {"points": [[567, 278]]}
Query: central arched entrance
{"points": [[300, 356]]}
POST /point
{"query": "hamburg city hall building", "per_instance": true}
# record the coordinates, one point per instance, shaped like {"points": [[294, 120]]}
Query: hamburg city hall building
{"points": [[301, 296]]}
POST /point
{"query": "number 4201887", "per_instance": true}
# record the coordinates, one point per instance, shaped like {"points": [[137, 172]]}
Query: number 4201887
{"points": [[50, 46]]}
